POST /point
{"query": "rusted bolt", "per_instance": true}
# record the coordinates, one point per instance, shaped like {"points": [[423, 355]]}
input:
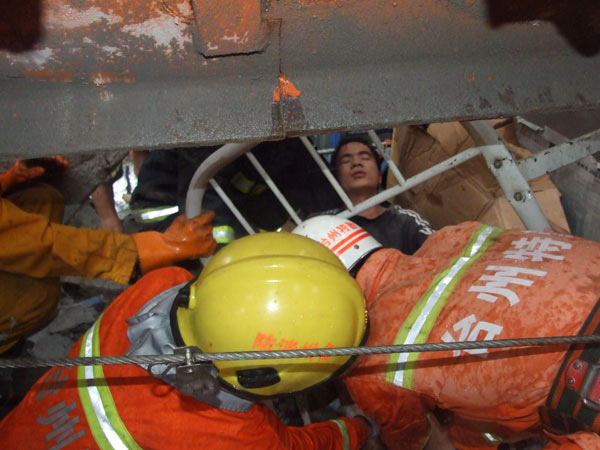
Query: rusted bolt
{"points": [[497, 163], [395, 4], [577, 365], [571, 380], [518, 196]]}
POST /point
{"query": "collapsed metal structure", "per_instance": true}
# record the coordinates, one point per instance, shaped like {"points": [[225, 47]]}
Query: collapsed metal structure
{"points": [[105, 75], [108, 75]]}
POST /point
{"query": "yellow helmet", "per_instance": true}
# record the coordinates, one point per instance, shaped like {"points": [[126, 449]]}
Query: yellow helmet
{"points": [[274, 291]]}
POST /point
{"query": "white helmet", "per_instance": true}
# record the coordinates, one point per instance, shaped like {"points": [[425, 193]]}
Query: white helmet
{"points": [[343, 237]]}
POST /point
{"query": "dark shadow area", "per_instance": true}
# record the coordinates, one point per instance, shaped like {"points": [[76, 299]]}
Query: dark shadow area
{"points": [[20, 24], [578, 22]]}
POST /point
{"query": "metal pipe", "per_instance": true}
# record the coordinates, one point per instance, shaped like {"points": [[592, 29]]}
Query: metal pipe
{"points": [[413, 181], [238, 215], [395, 171], [503, 166], [559, 156], [207, 170]]}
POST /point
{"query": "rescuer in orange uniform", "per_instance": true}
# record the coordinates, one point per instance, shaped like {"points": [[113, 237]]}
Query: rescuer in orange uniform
{"points": [[37, 249], [473, 282], [252, 295]]}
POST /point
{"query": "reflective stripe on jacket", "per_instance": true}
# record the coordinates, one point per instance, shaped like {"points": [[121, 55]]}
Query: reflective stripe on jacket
{"points": [[471, 282], [122, 406], [223, 234], [155, 214], [420, 322], [100, 410]]}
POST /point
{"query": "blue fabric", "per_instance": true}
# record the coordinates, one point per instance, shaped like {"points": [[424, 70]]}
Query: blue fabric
{"points": [[334, 139]]}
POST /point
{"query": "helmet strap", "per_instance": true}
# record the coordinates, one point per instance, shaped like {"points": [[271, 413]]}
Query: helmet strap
{"points": [[182, 299]]}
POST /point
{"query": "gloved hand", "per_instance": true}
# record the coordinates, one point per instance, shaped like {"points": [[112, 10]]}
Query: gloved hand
{"points": [[23, 171], [184, 239]]}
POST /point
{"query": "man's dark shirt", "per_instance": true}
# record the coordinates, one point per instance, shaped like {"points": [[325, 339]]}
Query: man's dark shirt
{"points": [[398, 228]]}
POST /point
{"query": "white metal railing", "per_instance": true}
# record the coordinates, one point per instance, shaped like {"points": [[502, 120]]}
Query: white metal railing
{"points": [[392, 167], [498, 158], [263, 173], [413, 181]]}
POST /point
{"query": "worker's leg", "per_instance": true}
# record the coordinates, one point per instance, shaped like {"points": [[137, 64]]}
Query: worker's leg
{"points": [[26, 304]]}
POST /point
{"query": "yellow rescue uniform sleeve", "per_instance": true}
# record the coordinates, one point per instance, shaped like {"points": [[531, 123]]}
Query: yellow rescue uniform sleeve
{"points": [[33, 245]]}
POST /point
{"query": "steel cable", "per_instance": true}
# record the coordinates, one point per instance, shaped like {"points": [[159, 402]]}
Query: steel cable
{"points": [[198, 356]]}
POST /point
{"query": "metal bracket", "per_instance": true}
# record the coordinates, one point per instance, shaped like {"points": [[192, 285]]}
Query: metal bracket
{"points": [[193, 378], [584, 379], [229, 27], [511, 180]]}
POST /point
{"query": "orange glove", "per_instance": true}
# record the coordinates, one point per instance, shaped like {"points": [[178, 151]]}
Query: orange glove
{"points": [[184, 239], [23, 171]]}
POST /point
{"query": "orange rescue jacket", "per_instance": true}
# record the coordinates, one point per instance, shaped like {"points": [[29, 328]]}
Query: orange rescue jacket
{"points": [[472, 282], [122, 406]]}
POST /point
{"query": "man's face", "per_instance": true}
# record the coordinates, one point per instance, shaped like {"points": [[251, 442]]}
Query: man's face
{"points": [[357, 170]]}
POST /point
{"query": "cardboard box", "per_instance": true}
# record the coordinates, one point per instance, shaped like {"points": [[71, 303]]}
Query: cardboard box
{"points": [[468, 191]]}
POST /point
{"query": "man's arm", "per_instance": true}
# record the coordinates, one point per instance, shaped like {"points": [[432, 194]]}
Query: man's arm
{"points": [[32, 245], [400, 414], [104, 202], [341, 433], [438, 436]]}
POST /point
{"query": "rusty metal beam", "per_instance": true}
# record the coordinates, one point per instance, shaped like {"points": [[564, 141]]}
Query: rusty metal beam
{"points": [[113, 74]]}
